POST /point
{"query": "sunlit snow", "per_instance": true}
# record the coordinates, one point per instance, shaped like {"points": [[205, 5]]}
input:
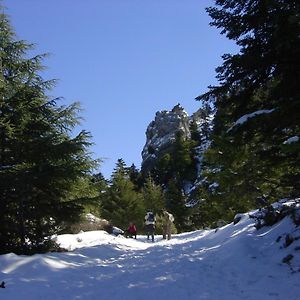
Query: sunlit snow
{"points": [[232, 263], [246, 117]]}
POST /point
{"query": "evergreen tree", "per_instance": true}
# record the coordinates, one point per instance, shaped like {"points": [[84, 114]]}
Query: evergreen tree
{"points": [[40, 163], [175, 203], [122, 204], [135, 176], [195, 134], [206, 113], [183, 160], [175, 171], [179, 163], [98, 187], [163, 170], [120, 169], [257, 104], [153, 196]]}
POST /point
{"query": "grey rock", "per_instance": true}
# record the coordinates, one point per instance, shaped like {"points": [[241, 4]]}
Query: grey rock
{"points": [[161, 132]]}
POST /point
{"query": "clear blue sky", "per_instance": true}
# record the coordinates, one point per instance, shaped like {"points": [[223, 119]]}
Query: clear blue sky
{"points": [[123, 60]]}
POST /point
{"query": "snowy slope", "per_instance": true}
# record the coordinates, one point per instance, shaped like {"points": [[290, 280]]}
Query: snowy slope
{"points": [[236, 262]]}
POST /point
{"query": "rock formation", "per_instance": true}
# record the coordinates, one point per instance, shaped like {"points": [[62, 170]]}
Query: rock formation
{"points": [[160, 134]]}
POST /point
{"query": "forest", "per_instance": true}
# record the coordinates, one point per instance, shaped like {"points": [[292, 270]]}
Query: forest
{"points": [[49, 180]]}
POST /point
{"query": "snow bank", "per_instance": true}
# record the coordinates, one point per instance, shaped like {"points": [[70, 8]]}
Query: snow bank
{"points": [[233, 263]]}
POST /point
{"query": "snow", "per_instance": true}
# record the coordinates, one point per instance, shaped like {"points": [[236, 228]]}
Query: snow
{"points": [[291, 140], [232, 263], [246, 117], [93, 219], [193, 202], [213, 186]]}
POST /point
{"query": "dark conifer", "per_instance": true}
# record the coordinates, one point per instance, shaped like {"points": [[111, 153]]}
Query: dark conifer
{"points": [[122, 203], [257, 104], [175, 203], [153, 196], [40, 163]]}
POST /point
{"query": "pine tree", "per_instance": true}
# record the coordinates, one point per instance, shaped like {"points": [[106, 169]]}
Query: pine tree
{"points": [[163, 170], [183, 160], [195, 134], [179, 163], [135, 176], [175, 203], [174, 171], [120, 169], [204, 128], [40, 163], [95, 189], [122, 204], [257, 104], [153, 196]]}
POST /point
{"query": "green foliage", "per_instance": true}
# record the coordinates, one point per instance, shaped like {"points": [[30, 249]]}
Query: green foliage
{"points": [[183, 159], [162, 172], [179, 163], [122, 203], [200, 133], [173, 171], [96, 188], [251, 159], [135, 177], [153, 196], [175, 204], [159, 225], [41, 165]]}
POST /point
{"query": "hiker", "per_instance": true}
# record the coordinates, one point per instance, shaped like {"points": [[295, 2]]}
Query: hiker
{"points": [[150, 225], [131, 231], [168, 219]]}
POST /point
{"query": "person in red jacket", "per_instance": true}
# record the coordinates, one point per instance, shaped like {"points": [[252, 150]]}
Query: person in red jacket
{"points": [[131, 231]]}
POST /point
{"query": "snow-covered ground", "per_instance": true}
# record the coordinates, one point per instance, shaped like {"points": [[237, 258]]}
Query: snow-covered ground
{"points": [[234, 262]]}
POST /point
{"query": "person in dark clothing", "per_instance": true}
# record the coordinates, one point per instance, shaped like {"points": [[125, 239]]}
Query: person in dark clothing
{"points": [[150, 225], [131, 231]]}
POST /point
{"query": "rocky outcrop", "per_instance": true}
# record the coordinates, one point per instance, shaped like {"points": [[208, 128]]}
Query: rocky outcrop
{"points": [[161, 132]]}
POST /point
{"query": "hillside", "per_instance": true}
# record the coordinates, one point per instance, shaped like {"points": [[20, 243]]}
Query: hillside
{"points": [[233, 262]]}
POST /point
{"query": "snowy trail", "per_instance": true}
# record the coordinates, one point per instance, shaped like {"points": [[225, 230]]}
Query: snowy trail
{"points": [[236, 262]]}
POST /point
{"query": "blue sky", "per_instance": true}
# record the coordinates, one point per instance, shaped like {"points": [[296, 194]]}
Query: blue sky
{"points": [[123, 60]]}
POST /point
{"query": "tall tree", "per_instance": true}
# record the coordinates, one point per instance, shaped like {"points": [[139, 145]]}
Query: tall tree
{"points": [[135, 176], [40, 163], [179, 163], [122, 203], [175, 203], [257, 103], [97, 188], [153, 196], [183, 160]]}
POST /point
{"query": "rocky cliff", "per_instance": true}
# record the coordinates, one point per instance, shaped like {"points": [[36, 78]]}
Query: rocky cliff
{"points": [[160, 134]]}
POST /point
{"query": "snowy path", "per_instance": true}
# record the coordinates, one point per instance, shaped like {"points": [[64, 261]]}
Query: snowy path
{"points": [[236, 262]]}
